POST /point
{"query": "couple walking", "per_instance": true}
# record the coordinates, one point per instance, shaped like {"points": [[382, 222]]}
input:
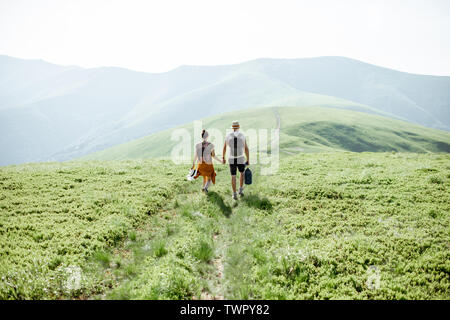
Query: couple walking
{"points": [[238, 158]]}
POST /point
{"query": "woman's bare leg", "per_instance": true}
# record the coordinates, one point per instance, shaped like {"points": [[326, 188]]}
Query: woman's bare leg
{"points": [[208, 182]]}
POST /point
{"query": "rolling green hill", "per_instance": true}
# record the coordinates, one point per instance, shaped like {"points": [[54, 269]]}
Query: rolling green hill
{"points": [[302, 129]]}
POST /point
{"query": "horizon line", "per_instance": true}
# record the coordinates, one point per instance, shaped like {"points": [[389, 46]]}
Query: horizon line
{"points": [[214, 65]]}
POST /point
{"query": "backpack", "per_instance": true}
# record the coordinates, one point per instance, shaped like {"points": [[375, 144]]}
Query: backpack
{"points": [[248, 176]]}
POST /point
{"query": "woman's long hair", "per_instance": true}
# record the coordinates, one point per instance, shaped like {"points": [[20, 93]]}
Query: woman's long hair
{"points": [[205, 135]]}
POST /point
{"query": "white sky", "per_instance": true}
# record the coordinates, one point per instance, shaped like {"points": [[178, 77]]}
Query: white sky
{"points": [[156, 36]]}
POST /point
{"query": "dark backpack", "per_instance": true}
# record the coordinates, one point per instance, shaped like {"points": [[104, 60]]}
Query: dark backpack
{"points": [[248, 176]]}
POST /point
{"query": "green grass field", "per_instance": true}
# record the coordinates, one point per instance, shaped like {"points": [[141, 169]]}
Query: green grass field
{"points": [[338, 225]]}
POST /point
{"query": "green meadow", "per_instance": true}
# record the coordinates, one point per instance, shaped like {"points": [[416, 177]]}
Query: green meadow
{"points": [[338, 225]]}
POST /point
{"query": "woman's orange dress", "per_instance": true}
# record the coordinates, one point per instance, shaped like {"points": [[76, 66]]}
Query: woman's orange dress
{"points": [[206, 170]]}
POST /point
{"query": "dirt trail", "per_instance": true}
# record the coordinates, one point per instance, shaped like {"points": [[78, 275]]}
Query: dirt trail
{"points": [[222, 241], [216, 286]]}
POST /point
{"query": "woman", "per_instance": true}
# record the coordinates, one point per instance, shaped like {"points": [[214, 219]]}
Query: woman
{"points": [[204, 152]]}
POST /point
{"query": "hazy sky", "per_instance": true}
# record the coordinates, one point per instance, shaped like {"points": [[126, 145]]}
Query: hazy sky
{"points": [[156, 36]]}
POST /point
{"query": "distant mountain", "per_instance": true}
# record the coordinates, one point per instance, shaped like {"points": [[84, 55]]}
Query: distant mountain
{"points": [[50, 112], [302, 129]]}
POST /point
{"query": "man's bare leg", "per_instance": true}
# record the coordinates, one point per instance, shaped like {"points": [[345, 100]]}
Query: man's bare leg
{"points": [[233, 183], [241, 184]]}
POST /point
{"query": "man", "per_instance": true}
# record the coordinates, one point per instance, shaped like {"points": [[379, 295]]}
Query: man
{"points": [[238, 146]]}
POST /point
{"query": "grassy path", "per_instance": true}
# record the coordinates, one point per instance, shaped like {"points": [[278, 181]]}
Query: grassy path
{"points": [[325, 227], [192, 249]]}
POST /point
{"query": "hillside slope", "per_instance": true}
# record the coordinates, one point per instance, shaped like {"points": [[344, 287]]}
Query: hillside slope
{"points": [[305, 129], [417, 98], [52, 112]]}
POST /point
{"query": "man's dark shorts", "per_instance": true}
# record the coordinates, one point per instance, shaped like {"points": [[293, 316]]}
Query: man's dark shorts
{"points": [[233, 168]]}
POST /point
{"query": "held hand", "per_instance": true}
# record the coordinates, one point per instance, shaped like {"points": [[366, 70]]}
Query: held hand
{"points": [[247, 163], [224, 161]]}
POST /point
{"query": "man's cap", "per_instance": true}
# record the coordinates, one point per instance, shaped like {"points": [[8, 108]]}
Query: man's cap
{"points": [[235, 125]]}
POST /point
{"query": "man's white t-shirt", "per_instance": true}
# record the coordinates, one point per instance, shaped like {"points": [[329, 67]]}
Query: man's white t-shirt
{"points": [[237, 151]]}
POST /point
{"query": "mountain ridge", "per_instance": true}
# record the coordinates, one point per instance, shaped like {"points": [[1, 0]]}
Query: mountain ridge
{"points": [[96, 108]]}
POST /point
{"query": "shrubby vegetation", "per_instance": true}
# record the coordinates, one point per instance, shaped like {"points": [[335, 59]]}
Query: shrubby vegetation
{"points": [[327, 226], [54, 216]]}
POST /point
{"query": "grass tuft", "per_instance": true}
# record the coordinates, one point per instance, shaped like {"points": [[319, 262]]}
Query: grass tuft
{"points": [[102, 257], [159, 248], [203, 251], [132, 235]]}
